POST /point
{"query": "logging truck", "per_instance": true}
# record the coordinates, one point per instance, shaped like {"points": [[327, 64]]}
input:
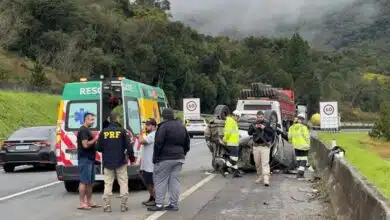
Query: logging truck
{"points": [[279, 110]]}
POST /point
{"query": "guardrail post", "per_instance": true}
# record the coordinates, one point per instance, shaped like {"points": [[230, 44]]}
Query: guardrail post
{"points": [[333, 143]]}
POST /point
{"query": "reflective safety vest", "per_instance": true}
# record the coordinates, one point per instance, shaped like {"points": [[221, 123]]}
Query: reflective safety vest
{"points": [[299, 136], [230, 134]]}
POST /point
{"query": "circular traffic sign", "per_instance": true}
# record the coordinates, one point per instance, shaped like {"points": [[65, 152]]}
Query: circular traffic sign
{"points": [[328, 109], [191, 106]]}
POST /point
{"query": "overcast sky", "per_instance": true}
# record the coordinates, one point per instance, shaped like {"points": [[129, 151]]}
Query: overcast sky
{"points": [[260, 17]]}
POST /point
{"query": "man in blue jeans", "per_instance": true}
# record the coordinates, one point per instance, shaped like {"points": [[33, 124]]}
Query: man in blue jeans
{"points": [[86, 157]]}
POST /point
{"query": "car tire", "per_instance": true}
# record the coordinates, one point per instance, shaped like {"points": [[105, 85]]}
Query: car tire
{"points": [[213, 164], [51, 166], [9, 168], [71, 186], [271, 117], [221, 112], [137, 184]]}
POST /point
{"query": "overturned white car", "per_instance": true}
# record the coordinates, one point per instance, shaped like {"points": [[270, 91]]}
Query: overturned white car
{"points": [[282, 153]]}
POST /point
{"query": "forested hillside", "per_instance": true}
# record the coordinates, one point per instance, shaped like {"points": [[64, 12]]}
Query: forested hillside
{"points": [[138, 40]]}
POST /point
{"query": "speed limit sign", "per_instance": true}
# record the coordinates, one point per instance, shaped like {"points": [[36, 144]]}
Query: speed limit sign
{"points": [[191, 108], [328, 109], [329, 116]]}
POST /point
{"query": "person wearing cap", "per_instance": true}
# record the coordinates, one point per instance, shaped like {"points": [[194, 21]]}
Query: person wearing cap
{"points": [[262, 136], [147, 159], [114, 144], [232, 139], [171, 145], [299, 137]]}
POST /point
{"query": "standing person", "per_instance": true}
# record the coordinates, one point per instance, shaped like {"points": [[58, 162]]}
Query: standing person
{"points": [[299, 137], [147, 159], [86, 154], [115, 144], [232, 139], [263, 135], [172, 144]]}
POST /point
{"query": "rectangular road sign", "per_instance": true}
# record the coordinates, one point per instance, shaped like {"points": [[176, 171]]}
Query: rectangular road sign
{"points": [[191, 108], [329, 115]]}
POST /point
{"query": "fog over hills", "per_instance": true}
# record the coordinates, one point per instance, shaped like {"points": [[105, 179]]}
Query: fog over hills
{"points": [[272, 17]]}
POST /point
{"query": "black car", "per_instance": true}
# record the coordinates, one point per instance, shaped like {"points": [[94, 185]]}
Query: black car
{"points": [[29, 146]]}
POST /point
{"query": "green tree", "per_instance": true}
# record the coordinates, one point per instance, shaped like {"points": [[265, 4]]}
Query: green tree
{"points": [[38, 77], [297, 59], [384, 122]]}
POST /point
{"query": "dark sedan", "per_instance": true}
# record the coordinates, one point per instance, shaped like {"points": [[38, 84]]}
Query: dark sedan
{"points": [[29, 146]]}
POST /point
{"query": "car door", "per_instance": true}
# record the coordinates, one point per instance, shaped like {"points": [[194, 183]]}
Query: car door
{"points": [[132, 115]]}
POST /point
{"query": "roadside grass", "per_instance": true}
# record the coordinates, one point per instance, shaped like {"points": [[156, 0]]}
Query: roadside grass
{"points": [[23, 109], [18, 70], [20, 109], [369, 156]]}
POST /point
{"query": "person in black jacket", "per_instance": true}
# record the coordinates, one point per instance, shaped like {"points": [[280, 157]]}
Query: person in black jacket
{"points": [[171, 145], [262, 136], [114, 143]]}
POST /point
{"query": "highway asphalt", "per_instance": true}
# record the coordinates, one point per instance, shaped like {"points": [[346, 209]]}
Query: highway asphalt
{"points": [[35, 194]]}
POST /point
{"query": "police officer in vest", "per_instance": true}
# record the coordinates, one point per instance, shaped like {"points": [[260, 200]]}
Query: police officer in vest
{"points": [[299, 137], [114, 143], [231, 139]]}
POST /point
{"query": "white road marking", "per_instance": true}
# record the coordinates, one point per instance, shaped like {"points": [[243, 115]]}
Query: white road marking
{"points": [[188, 192], [28, 191], [182, 196], [197, 143]]}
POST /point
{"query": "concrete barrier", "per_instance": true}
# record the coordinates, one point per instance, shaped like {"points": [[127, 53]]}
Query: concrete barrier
{"points": [[351, 195]]}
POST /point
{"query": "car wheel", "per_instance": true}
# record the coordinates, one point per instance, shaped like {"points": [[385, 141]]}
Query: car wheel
{"points": [[213, 164], [221, 112], [51, 166], [71, 186], [9, 168]]}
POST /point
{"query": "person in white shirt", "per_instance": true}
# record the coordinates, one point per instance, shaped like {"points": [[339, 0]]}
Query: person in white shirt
{"points": [[147, 159]]}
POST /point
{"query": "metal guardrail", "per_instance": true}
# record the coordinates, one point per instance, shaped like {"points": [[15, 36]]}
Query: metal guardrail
{"points": [[202, 115], [349, 125], [357, 124], [342, 124]]}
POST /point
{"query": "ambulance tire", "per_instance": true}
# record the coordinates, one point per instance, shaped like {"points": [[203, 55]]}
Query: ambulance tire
{"points": [[221, 112], [9, 168], [137, 184], [71, 186]]}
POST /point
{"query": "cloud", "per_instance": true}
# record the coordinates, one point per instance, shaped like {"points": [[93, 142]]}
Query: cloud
{"points": [[258, 17]]}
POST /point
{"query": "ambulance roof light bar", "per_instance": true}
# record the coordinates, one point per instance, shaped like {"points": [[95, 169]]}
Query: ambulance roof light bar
{"points": [[84, 79]]}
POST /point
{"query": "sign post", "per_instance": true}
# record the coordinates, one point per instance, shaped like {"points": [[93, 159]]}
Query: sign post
{"points": [[191, 108], [329, 116]]}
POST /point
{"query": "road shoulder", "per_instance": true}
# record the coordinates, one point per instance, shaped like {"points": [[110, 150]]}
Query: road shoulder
{"points": [[227, 198]]}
